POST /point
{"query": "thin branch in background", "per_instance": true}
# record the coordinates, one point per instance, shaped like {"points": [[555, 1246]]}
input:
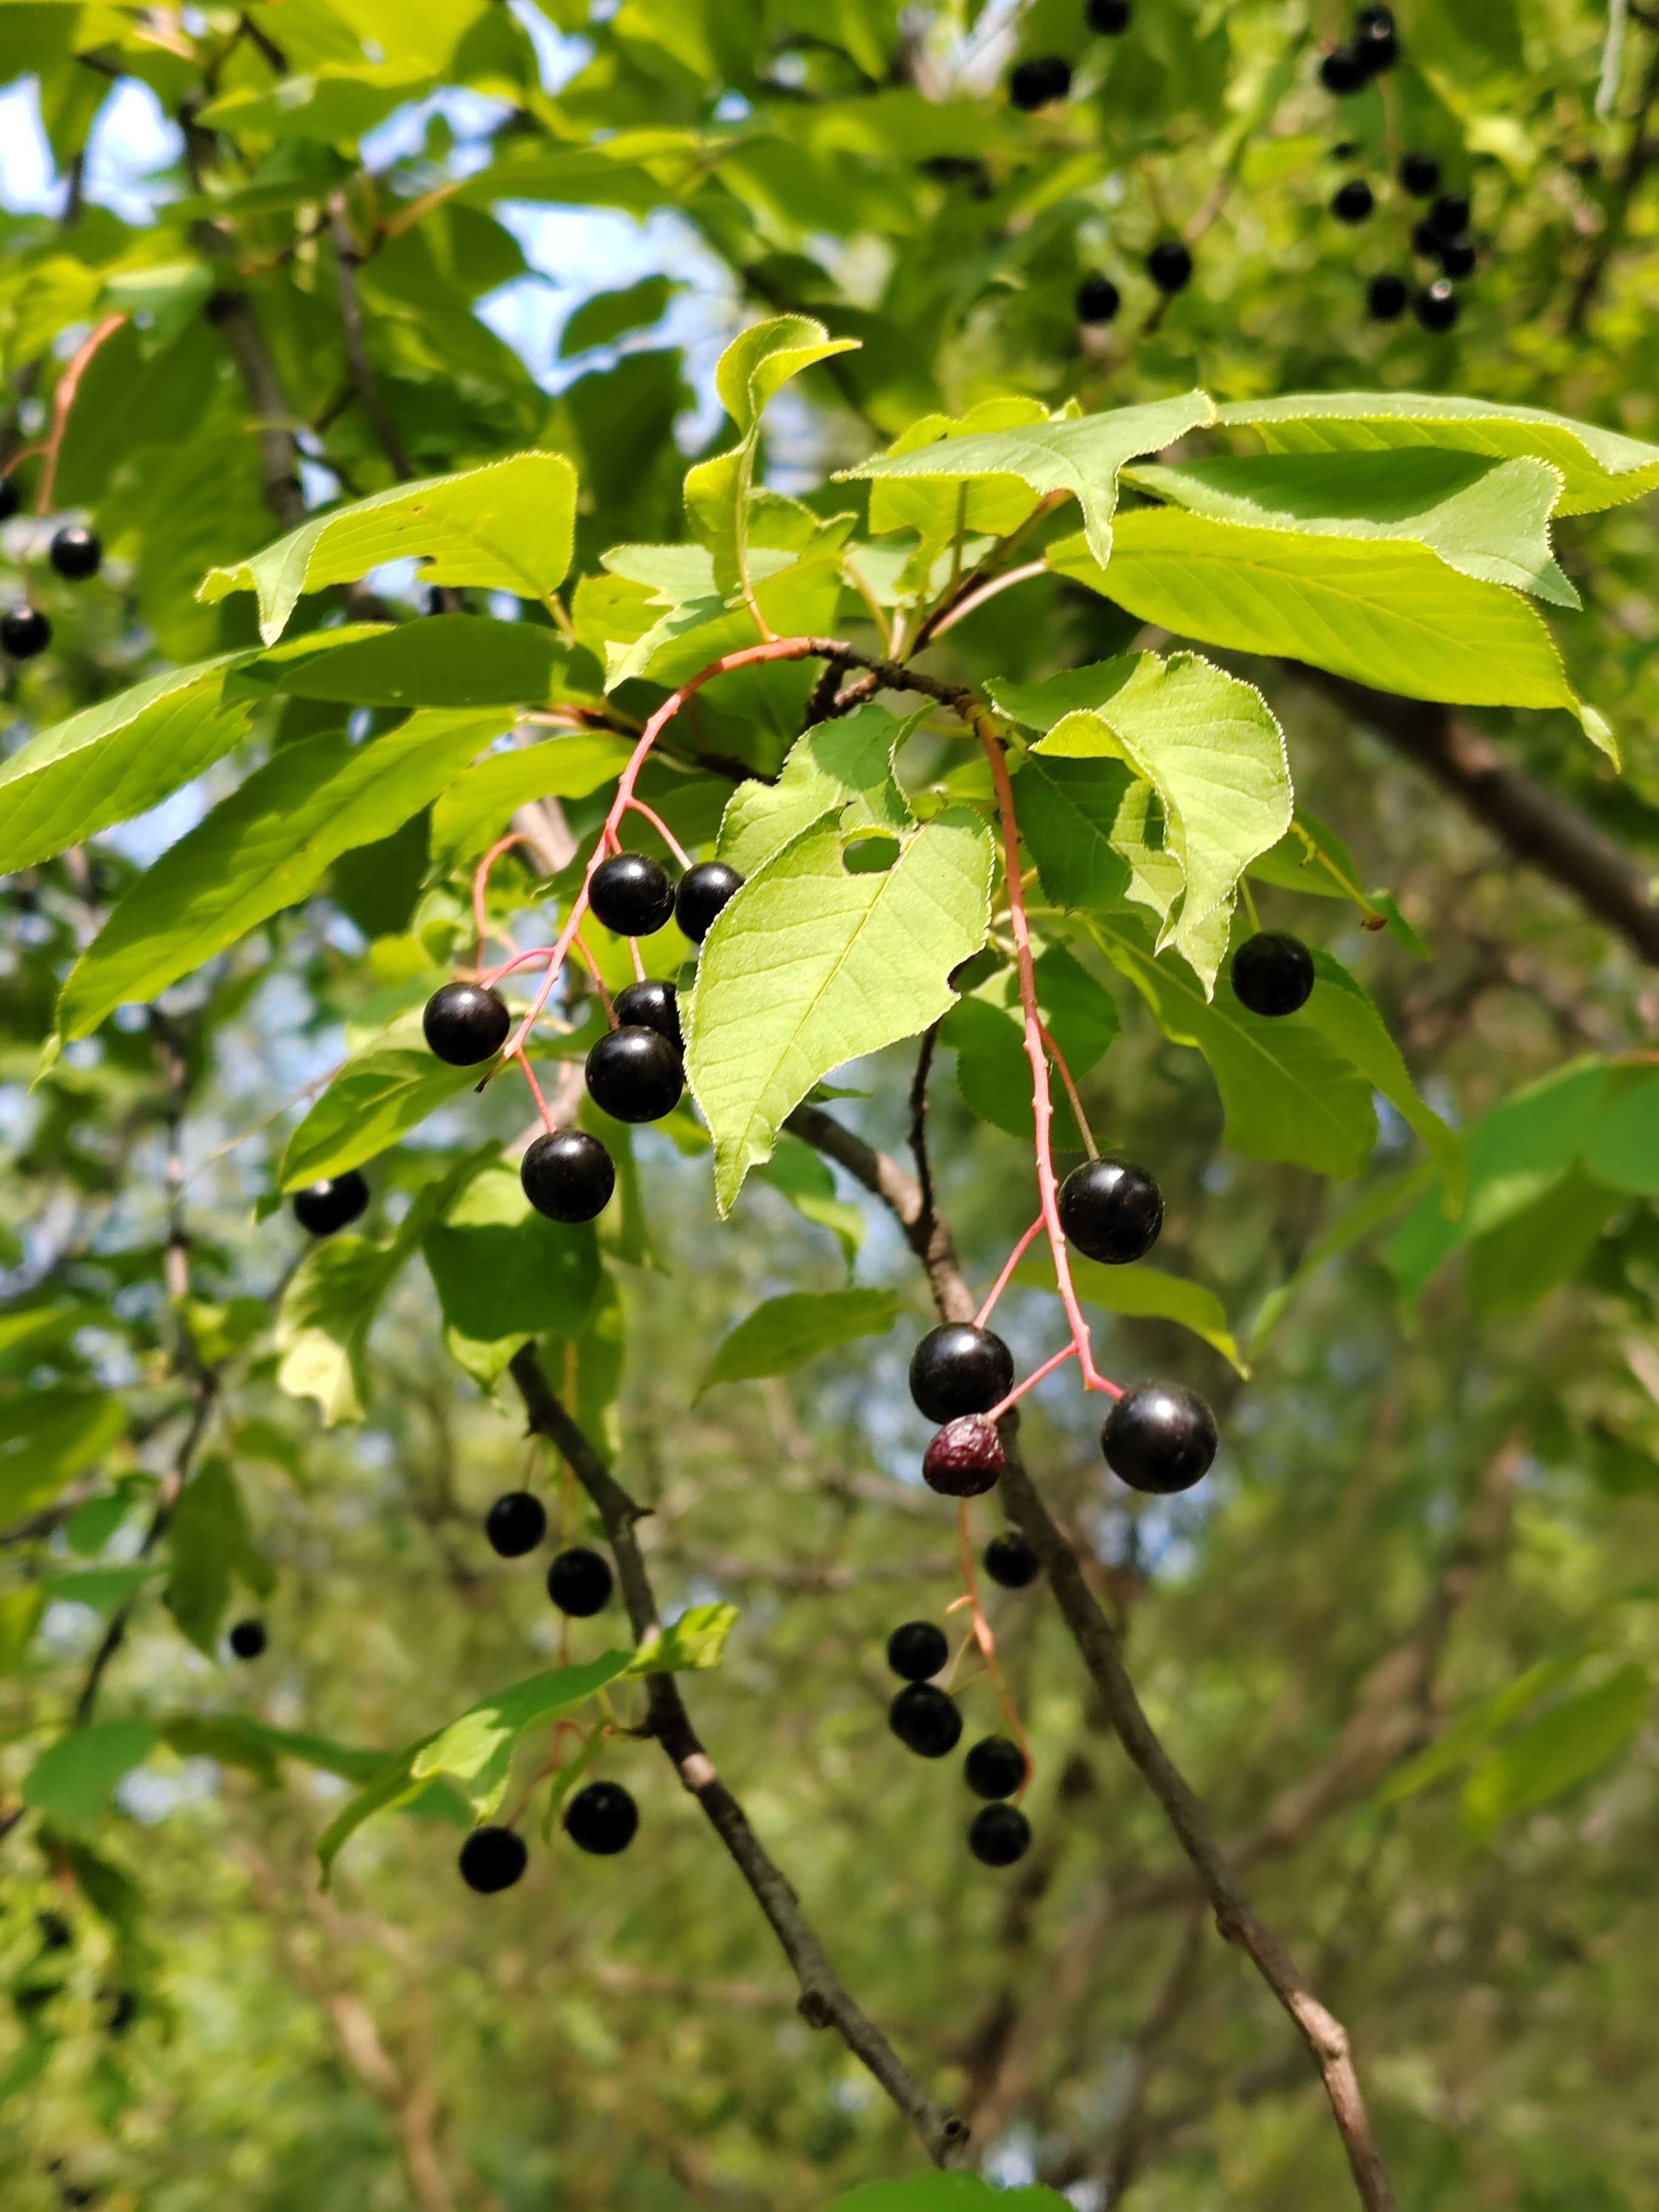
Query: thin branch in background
{"points": [[1180, 1987], [918, 1123], [232, 311], [1638, 160], [348, 257]]}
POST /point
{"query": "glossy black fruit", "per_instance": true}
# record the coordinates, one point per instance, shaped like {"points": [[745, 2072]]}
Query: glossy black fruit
{"points": [[994, 1767], [1457, 257], [925, 1720], [465, 1023], [1273, 972], [1439, 306], [1420, 173], [1426, 241], [1353, 202], [1169, 266], [964, 1458], [703, 891], [1111, 1212], [636, 1075], [9, 500], [652, 1005], [1377, 41], [247, 1639], [957, 1369], [1342, 71], [632, 894], [1097, 300], [323, 1207], [1386, 297], [1159, 1437], [916, 1649], [1011, 1561], [1110, 17], [516, 1523], [76, 553], [1036, 82], [602, 1819], [25, 632], [568, 1176], [492, 1858], [579, 1583], [1001, 1835], [1451, 214]]}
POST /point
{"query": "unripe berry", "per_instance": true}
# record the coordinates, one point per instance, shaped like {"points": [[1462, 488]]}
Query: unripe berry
{"points": [[465, 1024], [603, 1818], [916, 1649], [323, 1207], [515, 1523], [1001, 1835], [492, 1858], [579, 1582], [703, 891], [569, 1176], [1011, 1561], [1159, 1438], [925, 1720], [964, 1458], [1111, 1212], [957, 1369], [631, 894]]}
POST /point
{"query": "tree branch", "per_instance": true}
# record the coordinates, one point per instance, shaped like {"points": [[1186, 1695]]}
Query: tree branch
{"points": [[823, 2001], [1638, 158], [232, 311], [348, 260]]}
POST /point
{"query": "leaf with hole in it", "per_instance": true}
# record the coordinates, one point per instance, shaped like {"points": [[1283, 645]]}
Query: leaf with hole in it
{"points": [[477, 807], [266, 846], [437, 660], [1556, 1753], [507, 526], [49, 1437], [71, 1780], [808, 966], [786, 1332], [845, 765]]}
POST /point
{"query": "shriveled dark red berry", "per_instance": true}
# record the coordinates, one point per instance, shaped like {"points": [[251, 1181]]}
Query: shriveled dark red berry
{"points": [[1451, 214], [25, 632], [1036, 82], [631, 894], [516, 1523], [1001, 1835], [1386, 296], [465, 1023], [603, 1818], [652, 1005], [76, 553], [323, 1207], [703, 891], [964, 1458], [1097, 300], [1110, 17], [925, 1720], [1011, 1561], [1377, 41], [994, 1767], [1273, 972], [1111, 1212], [1439, 306], [247, 1639], [957, 1369], [1342, 72], [636, 1074], [492, 1858], [1420, 173], [1354, 201], [916, 1649], [579, 1582], [1169, 266], [569, 1176], [1159, 1437]]}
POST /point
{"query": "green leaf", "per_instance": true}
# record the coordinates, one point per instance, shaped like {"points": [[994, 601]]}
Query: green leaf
{"points": [[946, 2193], [1622, 1146], [440, 660], [1082, 455], [475, 1748], [693, 1642], [1345, 1014], [986, 1030], [1556, 1753], [799, 1175], [1601, 468], [20, 1616], [47, 1438], [845, 765], [1475, 1728], [786, 1332], [607, 316], [267, 846], [1370, 1213], [210, 1542], [504, 1273], [809, 967], [373, 1100], [477, 807], [509, 526], [106, 1589], [1071, 817], [115, 759], [1143, 1293], [239, 1740], [1515, 1265], [71, 1780]]}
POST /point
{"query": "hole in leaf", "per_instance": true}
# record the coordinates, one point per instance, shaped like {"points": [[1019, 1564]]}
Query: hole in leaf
{"points": [[870, 856]]}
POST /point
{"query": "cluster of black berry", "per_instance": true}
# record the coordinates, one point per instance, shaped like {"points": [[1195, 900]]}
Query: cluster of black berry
{"points": [[1441, 237], [1374, 47], [75, 552]]}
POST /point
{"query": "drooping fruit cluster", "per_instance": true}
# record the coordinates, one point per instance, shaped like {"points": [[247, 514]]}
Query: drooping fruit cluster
{"points": [[926, 1720], [76, 553], [1375, 47]]}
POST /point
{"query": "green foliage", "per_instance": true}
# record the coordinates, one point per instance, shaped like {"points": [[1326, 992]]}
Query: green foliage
{"points": [[210, 1546], [784, 1333]]}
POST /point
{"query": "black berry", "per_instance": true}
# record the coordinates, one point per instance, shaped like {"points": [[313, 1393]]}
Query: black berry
{"points": [[1097, 300], [1342, 71], [631, 894], [465, 1023], [1001, 1835], [568, 1176], [1273, 972], [247, 1639], [916, 1649], [1159, 1437], [1111, 1212], [636, 1075], [25, 632], [1011, 1561], [9, 502], [1386, 297], [579, 1583], [1110, 17], [1457, 257], [602, 1819], [1451, 214], [1438, 306], [1169, 266], [1420, 173], [516, 1523], [1377, 40], [323, 1207], [703, 891], [995, 1767], [925, 1720], [76, 553], [652, 1005], [1426, 241], [1036, 82], [964, 1458], [957, 1369], [492, 1858], [55, 1933], [1353, 202]]}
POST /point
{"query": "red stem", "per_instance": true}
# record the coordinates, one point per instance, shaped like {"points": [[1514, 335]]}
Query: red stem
{"points": [[987, 1642], [1008, 1267], [1031, 1383], [63, 400], [663, 831], [552, 1127], [1059, 1059], [481, 887]]}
